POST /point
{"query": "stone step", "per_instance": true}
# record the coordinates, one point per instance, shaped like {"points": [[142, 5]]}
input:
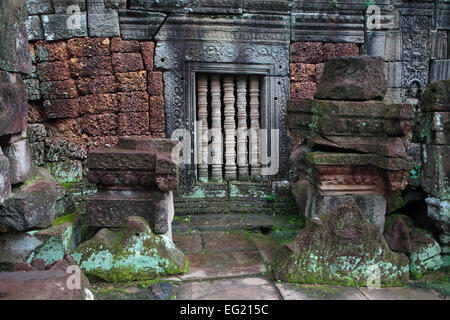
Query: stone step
{"points": [[233, 198]]}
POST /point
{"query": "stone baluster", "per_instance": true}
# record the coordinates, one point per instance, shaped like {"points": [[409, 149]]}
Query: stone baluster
{"points": [[216, 130], [229, 128], [202, 107], [255, 163], [242, 152]]}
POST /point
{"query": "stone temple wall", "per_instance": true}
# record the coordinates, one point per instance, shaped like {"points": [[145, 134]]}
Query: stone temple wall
{"points": [[109, 68]]}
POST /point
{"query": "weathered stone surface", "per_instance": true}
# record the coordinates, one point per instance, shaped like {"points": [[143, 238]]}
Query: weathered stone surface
{"points": [[20, 162], [53, 71], [328, 22], [120, 45], [94, 85], [148, 50], [372, 206], [132, 81], [134, 253], [133, 123], [102, 21], [91, 66], [434, 128], [61, 108], [100, 125], [53, 90], [89, 47], [291, 291], [436, 97], [64, 6], [425, 255], [232, 289], [111, 208], [396, 233], [33, 204], [127, 62], [34, 28], [155, 84], [32, 87], [99, 103], [42, 285], [139, 25], [435, 175], [439, 212], [13, 105], [62, 26], [14, 52], [51, 51], [48, 245], [39, 6], [340, 247], [136, 101], [348, 118], [5, 184], [353, 78]]}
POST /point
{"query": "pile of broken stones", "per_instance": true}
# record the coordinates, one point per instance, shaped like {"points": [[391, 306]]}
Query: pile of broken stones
{"points": [[132, 212], [349, 151]]}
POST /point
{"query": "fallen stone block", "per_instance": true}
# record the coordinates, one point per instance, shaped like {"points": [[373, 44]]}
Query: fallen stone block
{"points": [[341, 248], [132, 254], [32, 205], [62, 280], [353, 78], [425, 255], [49, 244]]}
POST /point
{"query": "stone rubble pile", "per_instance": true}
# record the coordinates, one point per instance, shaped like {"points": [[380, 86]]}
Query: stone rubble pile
{"points": [[348, 143]]}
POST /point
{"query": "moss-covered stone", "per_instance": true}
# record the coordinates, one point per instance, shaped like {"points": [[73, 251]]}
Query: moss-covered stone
{"points": [[436, 96], [340, 247], [134, 253]]}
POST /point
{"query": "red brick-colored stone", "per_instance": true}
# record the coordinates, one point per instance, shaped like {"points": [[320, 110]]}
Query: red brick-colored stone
{"points": [[66, 128], [51, 51], [148, 50], [155, 83], [100, 125], [133, 101], [133, 123], [307, 52], [35, 113], [90, 66], [101, 84], [120, 45], [303, 90], [333, 50], [88, 47], [61, 108], [53, 71], [101, 141], [52, 90], [157, 118], [303, 72], [127, 62], [99, 103], [132, 81]]}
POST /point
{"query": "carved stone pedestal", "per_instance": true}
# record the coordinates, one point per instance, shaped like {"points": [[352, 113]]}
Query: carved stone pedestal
{"points": [[135, 178]]}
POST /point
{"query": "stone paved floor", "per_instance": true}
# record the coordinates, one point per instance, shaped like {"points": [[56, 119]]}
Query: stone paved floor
{"points": [[233, 263]]}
